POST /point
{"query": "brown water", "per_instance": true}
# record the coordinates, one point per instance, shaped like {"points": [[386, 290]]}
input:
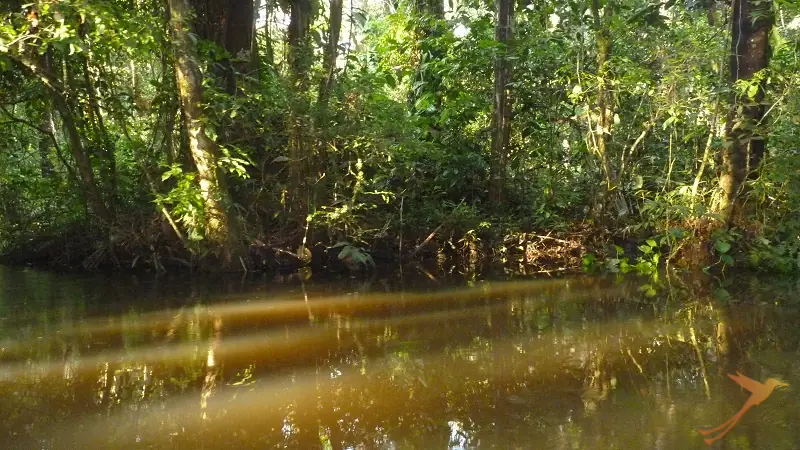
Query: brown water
{"points": [[392, 363]]}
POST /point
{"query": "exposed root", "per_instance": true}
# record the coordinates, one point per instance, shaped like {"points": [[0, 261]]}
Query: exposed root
{"points": [[546, 253]]}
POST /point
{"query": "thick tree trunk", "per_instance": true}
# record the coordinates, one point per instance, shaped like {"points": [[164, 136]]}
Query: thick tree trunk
{"points": [[239, 39], [229, 24], [744, 147], [221, 228], [501, 116]]}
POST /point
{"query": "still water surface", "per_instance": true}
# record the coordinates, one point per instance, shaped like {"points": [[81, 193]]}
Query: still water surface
{"points": [[393, 362]]}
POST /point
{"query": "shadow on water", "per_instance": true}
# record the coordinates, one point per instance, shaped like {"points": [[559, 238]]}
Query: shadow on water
{"points": [[103, 362]]}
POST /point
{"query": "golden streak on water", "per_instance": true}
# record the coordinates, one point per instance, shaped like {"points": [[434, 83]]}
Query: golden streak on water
{"points": [[278, 310], [273, 343]]}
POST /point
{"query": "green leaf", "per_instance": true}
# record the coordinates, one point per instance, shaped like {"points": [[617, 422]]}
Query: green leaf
{"points": [[677, 233], [722, 246], [722, 294], [651, 243], [346, 251], [752, 91], [727, 259]]}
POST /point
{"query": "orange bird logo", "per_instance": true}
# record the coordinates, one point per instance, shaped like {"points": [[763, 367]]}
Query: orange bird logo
{"points": [[759, 393]]}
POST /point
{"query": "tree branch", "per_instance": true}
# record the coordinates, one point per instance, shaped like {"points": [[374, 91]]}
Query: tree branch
{"points": [[13, 119]]}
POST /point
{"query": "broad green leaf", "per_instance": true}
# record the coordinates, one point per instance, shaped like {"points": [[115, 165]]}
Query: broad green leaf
{"points": [[722, 246], [752, 91]]}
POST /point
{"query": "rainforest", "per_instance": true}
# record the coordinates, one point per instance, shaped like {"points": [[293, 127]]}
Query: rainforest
{"points": [[537, 135]]}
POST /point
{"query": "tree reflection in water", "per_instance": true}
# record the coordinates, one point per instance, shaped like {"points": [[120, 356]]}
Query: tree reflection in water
{"points": [[578, 363]]}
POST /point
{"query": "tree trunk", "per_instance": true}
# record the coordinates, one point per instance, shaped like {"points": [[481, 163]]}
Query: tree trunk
{"points": [[48, 125], [184, 149], [425, 98], [603, 113], [744, 140], [221, 229], [169, 108], [331, 51], [255, 57], [269, 53], [501, 116], [108, 166], [602, 133], [82, 162], [45, 141], [228, 24], [299, 58], [239, 39], [41, 68]]}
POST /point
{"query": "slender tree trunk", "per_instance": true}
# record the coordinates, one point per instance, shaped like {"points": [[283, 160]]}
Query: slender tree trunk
{"points": [[48, 126], [501, 116], [108, 167], [45, 141], [299, 59], [322, 191], [604, 102], [82, 162], [752, 22], [42, 69], [255, 56], [269, 53], [603, 112], [169, 110], [221, 228], [331, 51]]}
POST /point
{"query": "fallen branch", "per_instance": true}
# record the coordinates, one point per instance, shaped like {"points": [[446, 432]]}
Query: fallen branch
{"points": [[433, 233], [549, 271], [427, 274], [553, 239]]}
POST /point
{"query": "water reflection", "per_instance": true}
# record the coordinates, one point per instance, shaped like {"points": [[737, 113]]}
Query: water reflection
{"points": [[570, 363]]}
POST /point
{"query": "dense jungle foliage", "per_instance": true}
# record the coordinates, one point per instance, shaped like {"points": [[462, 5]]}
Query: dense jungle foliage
{"points": [[624, 134]]}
